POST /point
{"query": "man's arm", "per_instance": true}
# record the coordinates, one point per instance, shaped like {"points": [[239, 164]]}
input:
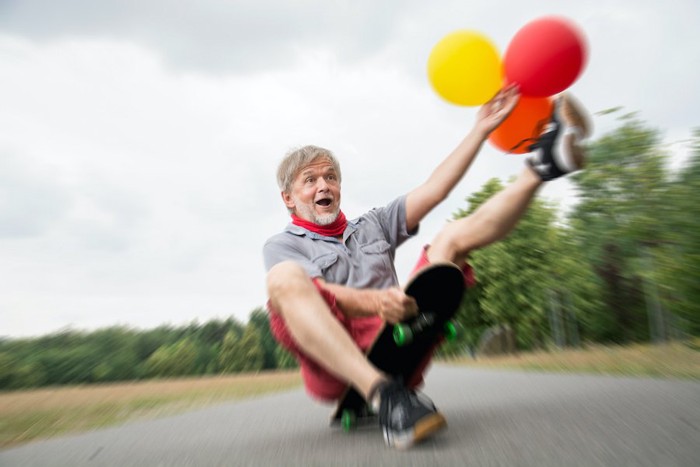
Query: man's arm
{"points": [[391, 304], [424, 198]]}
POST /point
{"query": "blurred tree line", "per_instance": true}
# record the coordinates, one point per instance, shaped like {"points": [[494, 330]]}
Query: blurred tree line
{"points": [[120, 353], [621, 266]]}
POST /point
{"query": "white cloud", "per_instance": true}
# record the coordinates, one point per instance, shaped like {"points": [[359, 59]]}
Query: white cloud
{"points": [[216, 35], [137, 154]]}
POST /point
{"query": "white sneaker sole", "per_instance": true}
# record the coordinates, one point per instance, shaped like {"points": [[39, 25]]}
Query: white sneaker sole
{"points": [[422, 430]]}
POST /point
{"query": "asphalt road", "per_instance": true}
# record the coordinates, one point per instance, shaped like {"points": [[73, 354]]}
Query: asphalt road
{"points": [[495, 418]]}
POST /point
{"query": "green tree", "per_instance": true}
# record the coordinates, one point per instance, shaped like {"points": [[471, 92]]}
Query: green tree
{"points": [[675, 265], [72, 363], [213, 332], [285, 360], [472, 319], [7, 370], [617, 225], [268, 344], [574, 291], [244, 353], [29, 374], [228, 355], [252, 350], [514, 275], [115, 348], [147, 342], [113, 354], [172, 360]]}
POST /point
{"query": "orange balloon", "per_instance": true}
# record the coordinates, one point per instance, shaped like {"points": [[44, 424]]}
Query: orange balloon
{"points": [[525, 121]]}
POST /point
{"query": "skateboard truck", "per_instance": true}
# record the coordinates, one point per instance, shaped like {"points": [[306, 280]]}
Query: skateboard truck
{"points": [[348, 420], [404, 333], [351, 419]]}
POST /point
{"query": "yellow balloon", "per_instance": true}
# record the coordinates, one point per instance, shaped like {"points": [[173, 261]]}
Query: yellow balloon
{"points": [[465, 68]]}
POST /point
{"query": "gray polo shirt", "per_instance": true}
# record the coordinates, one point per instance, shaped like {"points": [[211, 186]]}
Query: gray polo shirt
{"points": [[363, 259]]}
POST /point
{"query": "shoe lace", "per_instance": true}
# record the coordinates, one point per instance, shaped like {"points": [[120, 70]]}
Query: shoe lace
{"points": [[393, 395], [537, 132], [532, 140], [402, 396]]}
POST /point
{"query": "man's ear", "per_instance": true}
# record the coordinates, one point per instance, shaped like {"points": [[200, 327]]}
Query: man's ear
{"points": [[288, 201]]}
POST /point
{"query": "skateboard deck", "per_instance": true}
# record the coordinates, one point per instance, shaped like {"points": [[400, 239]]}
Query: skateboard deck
{"points": [[399, 350]]}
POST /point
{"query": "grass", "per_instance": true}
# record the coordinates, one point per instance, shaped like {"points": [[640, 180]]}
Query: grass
{"points": [[674, 360], [42, 413]]}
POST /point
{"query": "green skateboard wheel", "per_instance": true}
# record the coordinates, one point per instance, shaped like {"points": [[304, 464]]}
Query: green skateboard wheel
{"points": [[348, 420], [402, 334], [450, 331]]}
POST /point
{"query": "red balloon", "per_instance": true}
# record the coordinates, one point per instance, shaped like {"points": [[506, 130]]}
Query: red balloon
{"points": [[525, 122], [545, 57]]}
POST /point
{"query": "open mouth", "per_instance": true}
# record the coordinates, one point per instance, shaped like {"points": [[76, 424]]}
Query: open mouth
{"points": [[324, 202]]}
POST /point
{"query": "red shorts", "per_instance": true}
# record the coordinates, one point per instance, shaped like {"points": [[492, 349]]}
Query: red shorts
{"points": [[320, 383]]}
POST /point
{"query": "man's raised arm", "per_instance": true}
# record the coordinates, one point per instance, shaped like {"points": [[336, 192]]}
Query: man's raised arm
{"points": [[425, 197]]}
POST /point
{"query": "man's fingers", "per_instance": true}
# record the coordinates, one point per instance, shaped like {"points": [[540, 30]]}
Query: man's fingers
{"points": [[398, 306], [411, 306], [408, 303]]}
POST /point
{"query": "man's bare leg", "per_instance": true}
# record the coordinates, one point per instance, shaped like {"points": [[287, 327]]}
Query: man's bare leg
{"points": [[492, 221], [315, 330], [497, 217]]}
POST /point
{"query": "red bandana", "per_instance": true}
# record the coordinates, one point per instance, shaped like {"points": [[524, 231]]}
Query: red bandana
{"points": [[334, 229]]}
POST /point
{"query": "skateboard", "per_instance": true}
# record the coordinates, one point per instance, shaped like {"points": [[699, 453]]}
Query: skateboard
{"points": [[399, 350]]}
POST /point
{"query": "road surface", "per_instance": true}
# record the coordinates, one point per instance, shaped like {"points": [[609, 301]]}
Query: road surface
{"points": [[496, 418]]}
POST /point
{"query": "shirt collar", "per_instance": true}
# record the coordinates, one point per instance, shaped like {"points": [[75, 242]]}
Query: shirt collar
{"points": [[302, 232]]}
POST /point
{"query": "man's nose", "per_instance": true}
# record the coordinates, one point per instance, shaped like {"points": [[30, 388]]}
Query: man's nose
{"points": [[322, 184]]}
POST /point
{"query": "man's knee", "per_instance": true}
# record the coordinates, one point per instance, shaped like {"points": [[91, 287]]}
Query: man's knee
{"points": [[287, 278], [451, 243]]}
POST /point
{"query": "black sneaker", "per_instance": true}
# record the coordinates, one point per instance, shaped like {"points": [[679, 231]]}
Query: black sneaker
{"points": [[556, 151], [407, 417]]}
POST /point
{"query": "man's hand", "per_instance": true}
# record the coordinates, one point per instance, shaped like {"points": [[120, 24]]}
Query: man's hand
{"points": [[497, 109], [394, 306]]}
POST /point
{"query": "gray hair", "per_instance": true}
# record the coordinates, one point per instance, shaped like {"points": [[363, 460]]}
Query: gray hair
{"points": [[297, 159]]}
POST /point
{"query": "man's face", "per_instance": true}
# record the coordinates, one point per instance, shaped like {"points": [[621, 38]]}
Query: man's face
{"points": [[315, 194]]}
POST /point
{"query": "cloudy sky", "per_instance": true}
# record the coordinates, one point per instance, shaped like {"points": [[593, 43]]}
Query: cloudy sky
{"points": [[139, 138]]}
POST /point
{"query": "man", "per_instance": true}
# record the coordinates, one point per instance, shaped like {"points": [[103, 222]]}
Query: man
{"points": [[332, 282]]}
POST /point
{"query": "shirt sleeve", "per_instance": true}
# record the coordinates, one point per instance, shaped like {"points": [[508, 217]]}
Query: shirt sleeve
{"points": [[392, 219], [279, 248]]}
